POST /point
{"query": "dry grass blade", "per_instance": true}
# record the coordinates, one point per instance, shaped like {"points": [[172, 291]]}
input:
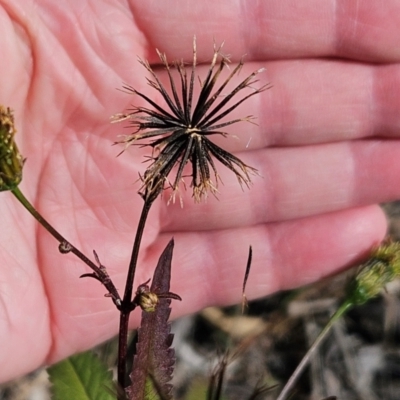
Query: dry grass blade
{"points": [[214, 391], [246, 276]]}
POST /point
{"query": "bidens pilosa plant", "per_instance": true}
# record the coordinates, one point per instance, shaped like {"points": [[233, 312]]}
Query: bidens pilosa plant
{"points": [[179, 136]]}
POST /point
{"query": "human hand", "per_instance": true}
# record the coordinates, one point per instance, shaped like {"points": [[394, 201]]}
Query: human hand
{"points": [[321, 147]]}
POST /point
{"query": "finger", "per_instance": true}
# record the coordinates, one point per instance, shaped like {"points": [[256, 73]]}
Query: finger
{"points": [[311, 101], [208, 267], [294, 183], [269, 29]]}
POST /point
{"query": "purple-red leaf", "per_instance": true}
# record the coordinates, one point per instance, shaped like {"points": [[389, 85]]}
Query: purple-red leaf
{"points": [[154, 358]]}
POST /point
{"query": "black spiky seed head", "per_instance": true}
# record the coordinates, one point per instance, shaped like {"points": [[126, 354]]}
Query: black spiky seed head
{"points": [[180, 132]]}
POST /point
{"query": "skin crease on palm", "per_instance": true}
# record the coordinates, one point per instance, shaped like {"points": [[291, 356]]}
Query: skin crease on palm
{"points": [[325, 144]]}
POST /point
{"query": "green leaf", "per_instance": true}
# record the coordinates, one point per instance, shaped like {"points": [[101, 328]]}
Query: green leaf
{"points": [[81, 377]]}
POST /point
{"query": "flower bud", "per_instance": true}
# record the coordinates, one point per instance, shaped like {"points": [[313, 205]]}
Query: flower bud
{"points": [[11, 161], [148, 301]]}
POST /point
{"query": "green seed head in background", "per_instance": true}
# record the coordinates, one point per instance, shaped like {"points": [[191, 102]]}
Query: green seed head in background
{"points": [[382, 267]]}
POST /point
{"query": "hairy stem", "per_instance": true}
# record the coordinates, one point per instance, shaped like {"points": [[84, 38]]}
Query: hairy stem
{"points": [[126, 306], [303, 363], [65, 247]]}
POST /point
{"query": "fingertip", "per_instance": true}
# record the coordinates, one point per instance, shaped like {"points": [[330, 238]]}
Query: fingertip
{"points": [[317, 247]]}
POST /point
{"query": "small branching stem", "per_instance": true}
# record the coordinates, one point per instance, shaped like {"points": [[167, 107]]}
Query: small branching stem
{"points": [[32, 210], [99, 273], [303, 363], [126, 306]]}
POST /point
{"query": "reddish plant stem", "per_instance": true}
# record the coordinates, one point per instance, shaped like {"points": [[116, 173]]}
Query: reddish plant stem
{"points": [[127, 306], [122, 351], [135, 253]]}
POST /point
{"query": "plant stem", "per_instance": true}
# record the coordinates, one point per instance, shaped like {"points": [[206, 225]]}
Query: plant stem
{"points": [[303, 363], [99, 272], [122, 351], [25, 202], [126, 306], [135, 252]]}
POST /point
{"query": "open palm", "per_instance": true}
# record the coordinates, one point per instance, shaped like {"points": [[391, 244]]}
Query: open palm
{"points": [[325, 147]]}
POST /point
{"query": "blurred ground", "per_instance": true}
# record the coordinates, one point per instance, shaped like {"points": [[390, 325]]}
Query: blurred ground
{"points": [[360, 360]]}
